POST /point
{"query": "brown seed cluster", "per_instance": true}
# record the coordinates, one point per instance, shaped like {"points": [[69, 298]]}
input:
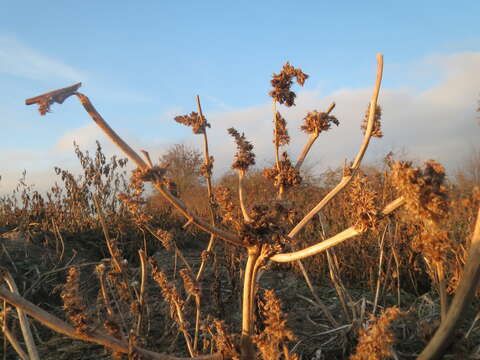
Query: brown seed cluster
{"points": [[206, 168], [282, 83], [197, 122], [169, 290], [224, 341], [165, 237], [244, 157], [363, 204], [280, 134], [424, 189], [265, 227], [272, 340], [427, 204], [315, 122], [376, 342], [285, 176], [376, 129], [191, 285], [73, 302], [224, 198]]}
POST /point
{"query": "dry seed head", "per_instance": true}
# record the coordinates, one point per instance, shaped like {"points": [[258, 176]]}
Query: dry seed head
{"points": [[281, 132], [376, 129], [224, 341], [282, 83], [424, 190], [165, 237], [315, 122], [190, 284], [376, 342], [244, 157], [286, 177], [169, 290], [73, 302], [206, 168], [362, 204], [224, 199], [272, 339], [197, 122]]}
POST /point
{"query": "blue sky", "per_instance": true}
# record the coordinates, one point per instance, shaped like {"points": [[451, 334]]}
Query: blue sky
{"points": [[142, 63]]}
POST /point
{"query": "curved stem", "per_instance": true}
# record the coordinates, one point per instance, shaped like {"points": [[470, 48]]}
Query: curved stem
{"points": [[247, 308], [24, 323], [334, 240], [310, 141], [465, 292], [94, 336], [177, 203], [356, 164], [241, 196]]}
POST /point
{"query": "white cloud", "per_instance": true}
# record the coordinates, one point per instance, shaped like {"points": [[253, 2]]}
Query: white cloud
{"points": [[20, 60]]}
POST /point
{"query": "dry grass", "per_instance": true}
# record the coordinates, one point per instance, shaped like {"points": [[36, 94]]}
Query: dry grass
{"points": [[159, 271]]}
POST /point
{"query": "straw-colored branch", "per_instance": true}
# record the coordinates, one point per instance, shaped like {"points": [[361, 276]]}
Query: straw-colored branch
{"points": [[310, 142], [356, 164], [24, 323], [94, 336], [247, 302], [334, 240], [241, 196], [15, 344], [465, 292], [177, 203]]}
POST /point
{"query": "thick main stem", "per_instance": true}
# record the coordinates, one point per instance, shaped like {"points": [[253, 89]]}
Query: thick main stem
{"points": [[247, 304]]}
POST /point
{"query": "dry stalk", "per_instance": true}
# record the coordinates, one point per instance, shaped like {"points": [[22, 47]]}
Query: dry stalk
{"points": [[334, 240], [14, 342], [94, 336], [358, 159], [313, 136], [24, 323], [464, 294]]}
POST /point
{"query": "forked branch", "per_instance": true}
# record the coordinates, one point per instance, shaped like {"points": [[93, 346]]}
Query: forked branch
{"points": [[358, 159], [334, 240], [52, 96]]}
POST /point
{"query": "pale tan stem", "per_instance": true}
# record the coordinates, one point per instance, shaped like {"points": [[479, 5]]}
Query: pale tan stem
{"points": [[15, 344], [197, 323], [94, 336], [469, 283], [24, 323], [334, 240], [203, 264], [208, 176], [113, 254], [442, 290], [184, 330], [310, 142], [241, 196], [247, 326], [143, 280], [177, 203], [356, 164]]}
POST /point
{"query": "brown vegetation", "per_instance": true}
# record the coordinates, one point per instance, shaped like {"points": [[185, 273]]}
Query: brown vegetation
{"points": [[180, 270]]}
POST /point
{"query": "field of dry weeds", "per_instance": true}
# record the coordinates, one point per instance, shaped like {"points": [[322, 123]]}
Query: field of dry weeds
{"points": [[368, 261]]}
